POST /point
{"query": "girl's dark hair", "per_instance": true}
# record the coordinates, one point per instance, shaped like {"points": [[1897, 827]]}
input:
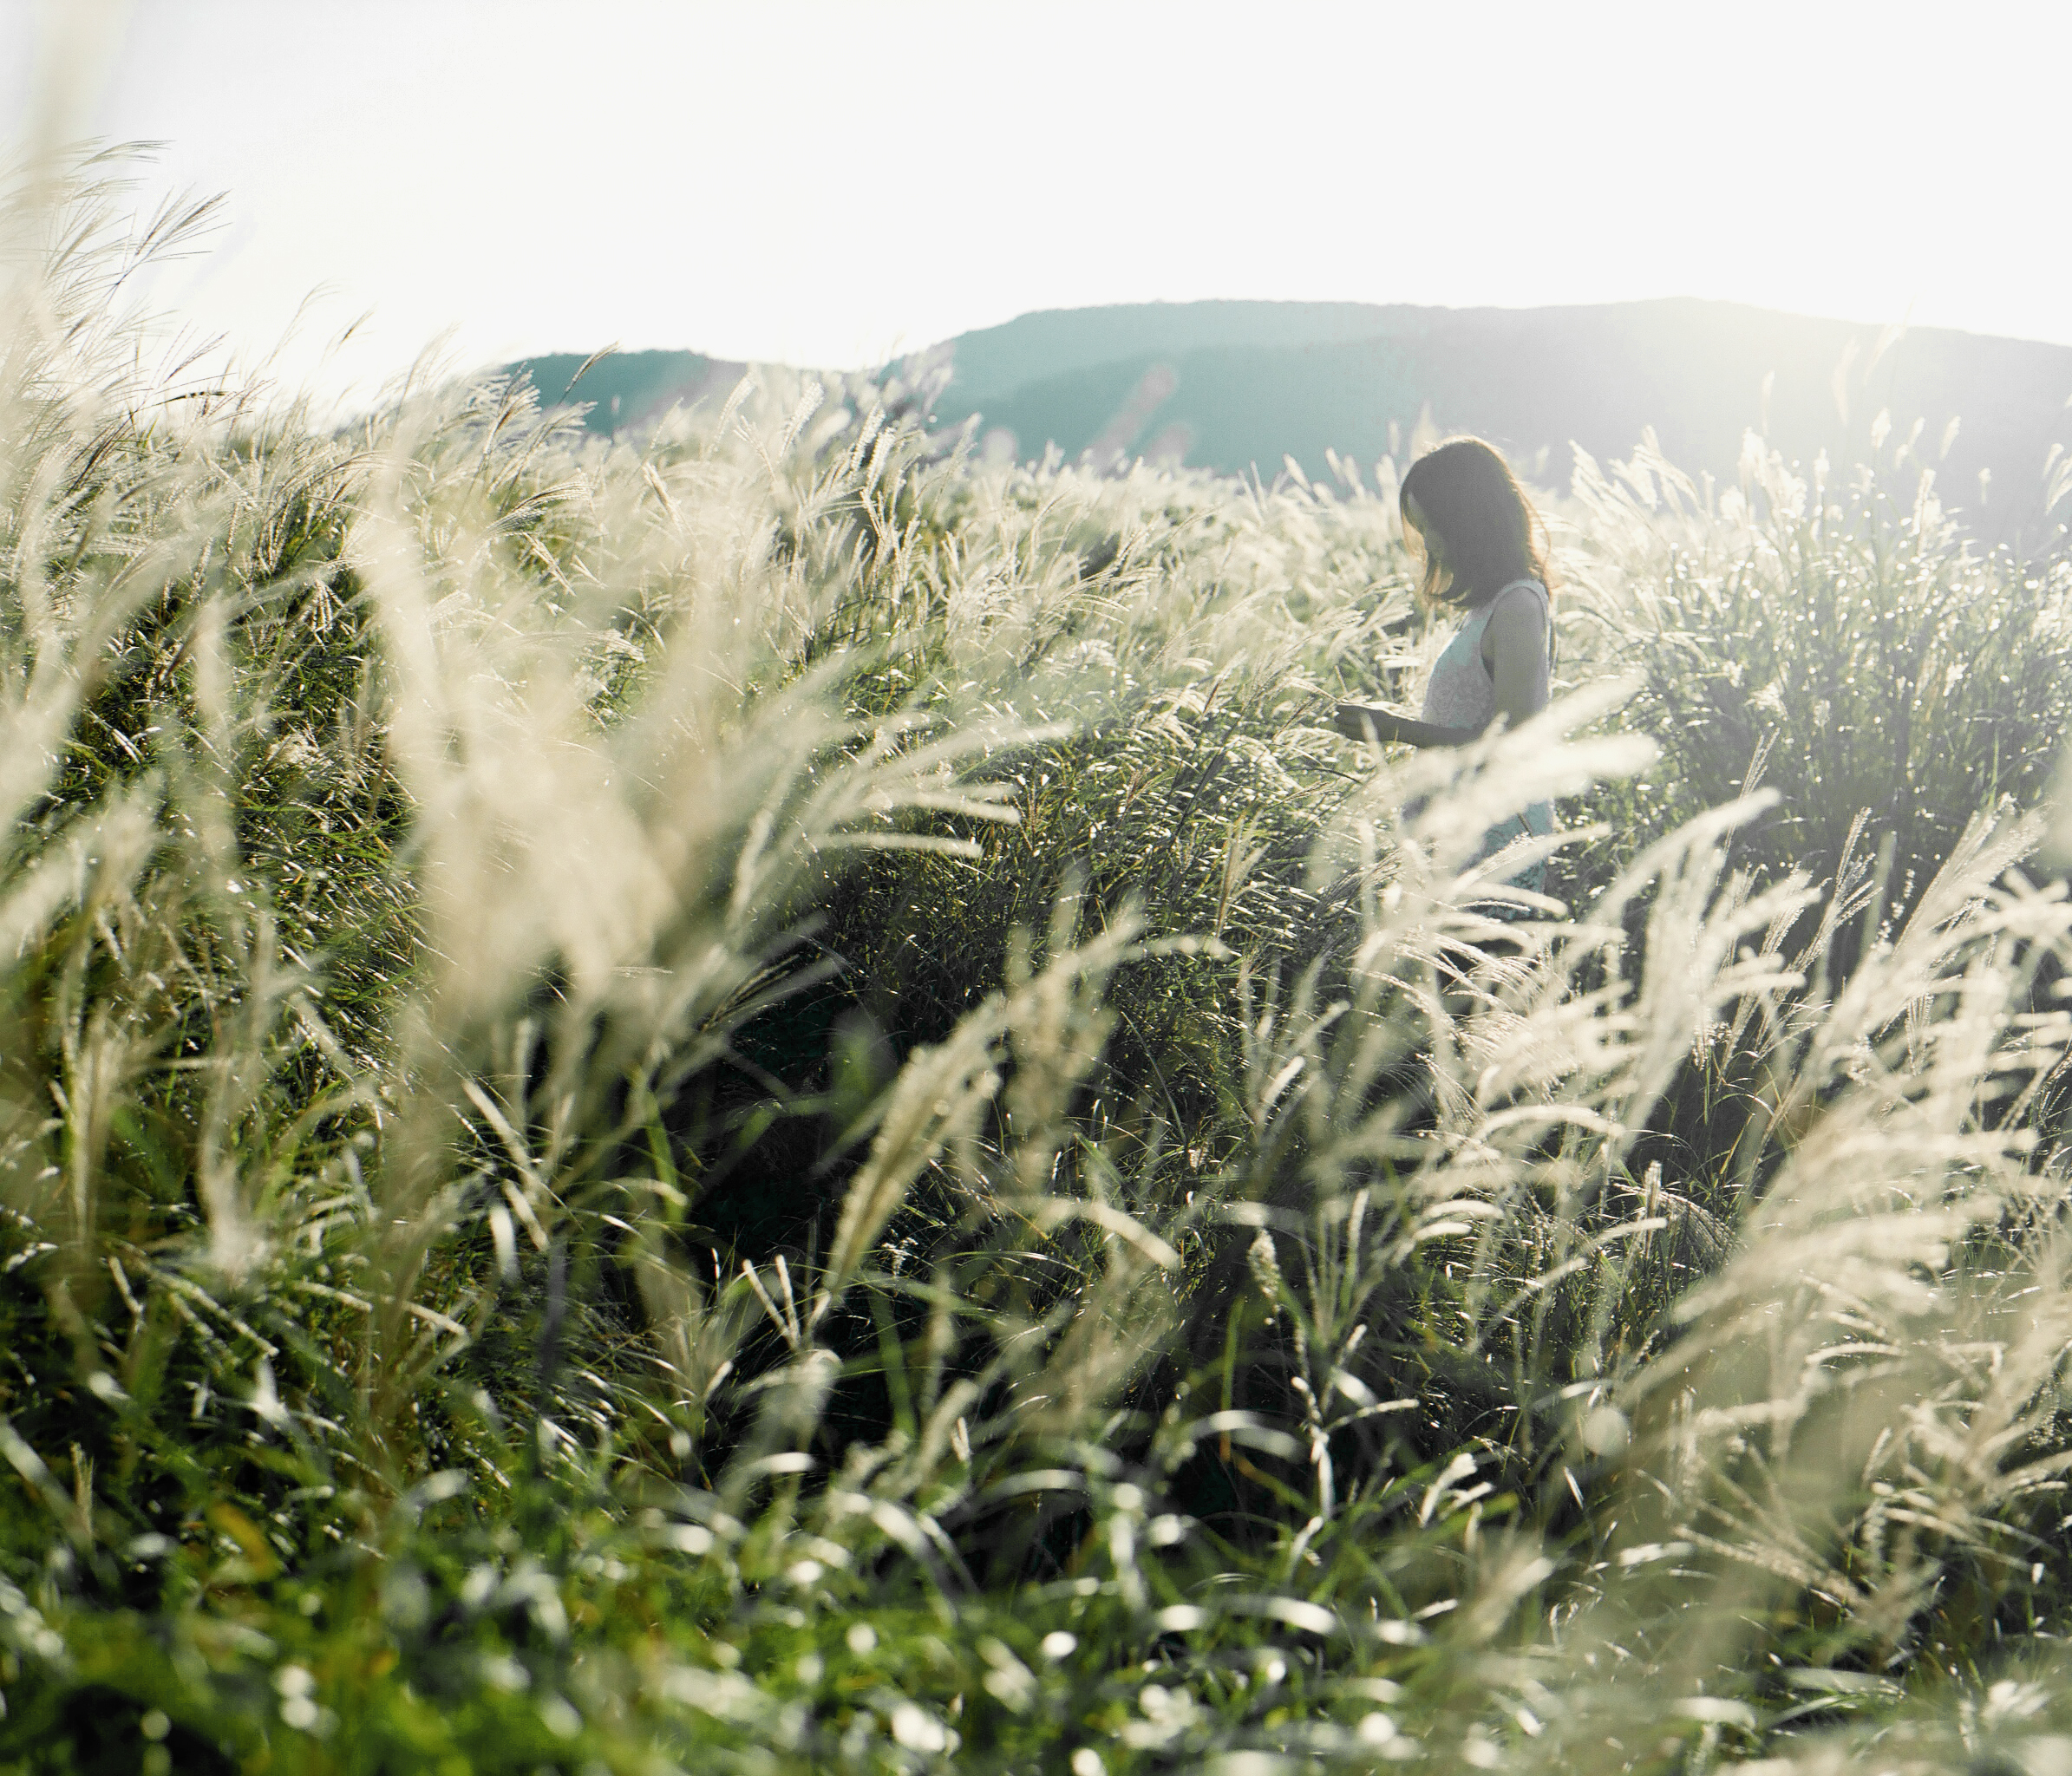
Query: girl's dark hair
{"points": [[1488, 534]]}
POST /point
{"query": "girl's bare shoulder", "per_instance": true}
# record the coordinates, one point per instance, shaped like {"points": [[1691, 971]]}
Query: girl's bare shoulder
{"points": [[1518, 614]]}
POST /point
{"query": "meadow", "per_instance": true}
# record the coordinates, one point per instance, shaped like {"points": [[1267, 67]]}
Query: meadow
{"points": [[774, 1103]]}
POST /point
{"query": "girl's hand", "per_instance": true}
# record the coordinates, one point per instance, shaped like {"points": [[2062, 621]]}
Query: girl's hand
{"points": [[1365, 721], [1370, 721]]}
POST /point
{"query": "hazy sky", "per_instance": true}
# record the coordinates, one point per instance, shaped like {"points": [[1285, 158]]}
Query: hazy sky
{"points": [[827, 183]]}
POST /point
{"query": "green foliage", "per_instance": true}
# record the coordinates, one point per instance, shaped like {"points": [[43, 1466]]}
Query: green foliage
{"points": [[772, 1104], [1867, 663]]}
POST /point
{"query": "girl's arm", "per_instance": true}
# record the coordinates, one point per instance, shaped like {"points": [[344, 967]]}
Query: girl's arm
{"points": [[1385, 727], [1515, 644], [1515, 640]]}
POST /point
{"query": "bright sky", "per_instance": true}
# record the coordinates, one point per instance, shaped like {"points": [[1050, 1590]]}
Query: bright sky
{"points": [[828, 181]]}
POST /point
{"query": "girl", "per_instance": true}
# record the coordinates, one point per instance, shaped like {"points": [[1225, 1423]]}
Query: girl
{"points": [[1484, 552]]}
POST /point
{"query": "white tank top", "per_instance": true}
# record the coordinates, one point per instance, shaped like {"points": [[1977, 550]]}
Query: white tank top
{"points": [[1462, 694]]}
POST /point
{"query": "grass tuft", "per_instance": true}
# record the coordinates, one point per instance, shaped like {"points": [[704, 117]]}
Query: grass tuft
{"points": [[774, 1102]]}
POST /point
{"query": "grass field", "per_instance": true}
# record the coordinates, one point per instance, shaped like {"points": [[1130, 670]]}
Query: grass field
{"points": [[775, 1104]]}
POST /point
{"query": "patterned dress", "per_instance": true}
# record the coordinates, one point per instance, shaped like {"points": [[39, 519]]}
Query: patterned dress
{"points": [[1462, 694]]}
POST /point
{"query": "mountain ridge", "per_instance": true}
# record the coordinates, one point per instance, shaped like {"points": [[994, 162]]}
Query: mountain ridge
{"points": [[1236, 386]]}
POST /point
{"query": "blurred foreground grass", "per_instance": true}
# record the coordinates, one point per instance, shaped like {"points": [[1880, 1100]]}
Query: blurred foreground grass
{"points": [[776, 1105]]}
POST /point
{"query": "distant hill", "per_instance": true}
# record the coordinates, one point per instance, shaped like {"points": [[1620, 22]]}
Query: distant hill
{"points": [[1231, 385], [629, 389]]}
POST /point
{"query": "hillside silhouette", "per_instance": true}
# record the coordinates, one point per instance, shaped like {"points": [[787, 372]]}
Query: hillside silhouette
{"points": [[1236, 386]]}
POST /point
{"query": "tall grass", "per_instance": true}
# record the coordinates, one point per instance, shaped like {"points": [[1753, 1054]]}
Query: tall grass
{"points": [[774, 1103]]}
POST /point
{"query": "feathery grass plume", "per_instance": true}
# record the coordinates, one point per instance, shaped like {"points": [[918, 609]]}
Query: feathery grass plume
{"points": [[1880, 662], [771, 1099]]}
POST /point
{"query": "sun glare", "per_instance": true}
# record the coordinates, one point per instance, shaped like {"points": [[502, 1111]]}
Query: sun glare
{"points": [[831, 184]]}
